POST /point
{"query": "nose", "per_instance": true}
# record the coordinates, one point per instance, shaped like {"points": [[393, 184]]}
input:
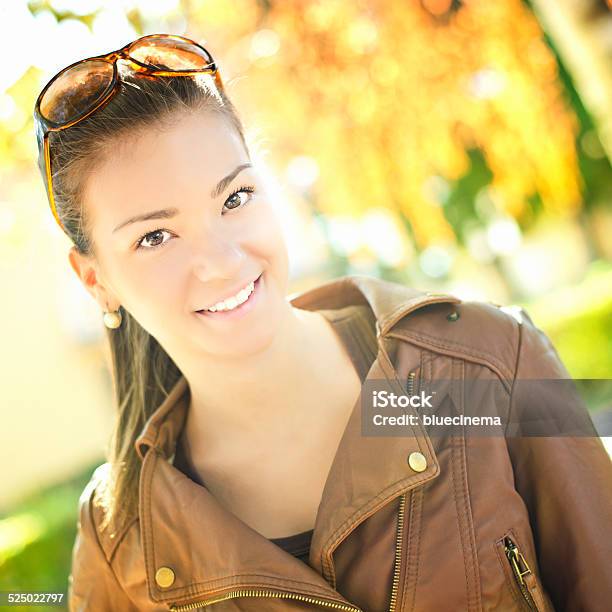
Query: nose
{"points": [[217, 257]]}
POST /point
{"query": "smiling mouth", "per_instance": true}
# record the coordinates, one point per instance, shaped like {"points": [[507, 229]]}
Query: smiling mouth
{"points": [[233, 303]]}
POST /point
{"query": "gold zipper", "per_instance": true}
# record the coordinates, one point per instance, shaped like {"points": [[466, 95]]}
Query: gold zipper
{"points": [[400, 522], [265, 593], [520, 568], [410, 384], [398, 553]]}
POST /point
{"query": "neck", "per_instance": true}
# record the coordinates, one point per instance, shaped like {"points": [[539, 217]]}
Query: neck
{"points": [[240, 396]]}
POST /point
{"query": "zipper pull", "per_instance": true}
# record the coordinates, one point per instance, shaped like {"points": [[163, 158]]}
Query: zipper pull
{"points": [[410, 382], [518, 562]]}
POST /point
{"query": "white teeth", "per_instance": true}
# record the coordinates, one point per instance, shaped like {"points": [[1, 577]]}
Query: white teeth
{"points": [[231, 303]]}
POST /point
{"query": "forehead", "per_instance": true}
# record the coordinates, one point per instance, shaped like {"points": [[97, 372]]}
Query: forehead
{"points": [[162, 167]]}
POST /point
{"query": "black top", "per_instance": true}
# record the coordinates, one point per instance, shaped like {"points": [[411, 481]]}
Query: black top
{"points": [[355, 325], [297, 545]]}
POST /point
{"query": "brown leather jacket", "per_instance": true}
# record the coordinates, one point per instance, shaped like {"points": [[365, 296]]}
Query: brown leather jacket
{"points": [[407, 522]]}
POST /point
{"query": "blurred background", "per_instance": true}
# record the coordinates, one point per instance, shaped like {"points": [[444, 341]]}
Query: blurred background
{"points": [[459, 146]]}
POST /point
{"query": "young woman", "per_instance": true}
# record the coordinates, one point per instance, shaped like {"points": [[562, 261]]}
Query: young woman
{"points": [[241, 475]]}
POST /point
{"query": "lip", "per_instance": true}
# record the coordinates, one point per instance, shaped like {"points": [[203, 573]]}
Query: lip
{"points": [[240, 310]]}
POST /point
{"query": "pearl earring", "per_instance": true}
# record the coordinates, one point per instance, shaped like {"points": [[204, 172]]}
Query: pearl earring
{"points": [[112, 319]]}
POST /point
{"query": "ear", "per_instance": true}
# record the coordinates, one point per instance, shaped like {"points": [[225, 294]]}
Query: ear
{"points": [[88, 271]]}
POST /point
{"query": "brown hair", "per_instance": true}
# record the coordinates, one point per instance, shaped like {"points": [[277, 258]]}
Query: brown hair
{"points": [[143, 373]]}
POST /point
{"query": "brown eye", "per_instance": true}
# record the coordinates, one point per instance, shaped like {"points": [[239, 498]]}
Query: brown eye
{"points": [[152, 240], [235, 201]]}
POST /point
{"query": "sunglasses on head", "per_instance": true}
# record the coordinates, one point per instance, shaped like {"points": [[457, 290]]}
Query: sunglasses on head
{"points": [[84, 87]]}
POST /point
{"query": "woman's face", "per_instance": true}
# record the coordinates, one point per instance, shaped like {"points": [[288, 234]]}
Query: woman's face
{"points": [[180, 221]]}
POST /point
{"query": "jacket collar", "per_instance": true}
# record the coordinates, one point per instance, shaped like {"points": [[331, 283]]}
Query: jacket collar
{"points": [[178, 515], [389, 301]]}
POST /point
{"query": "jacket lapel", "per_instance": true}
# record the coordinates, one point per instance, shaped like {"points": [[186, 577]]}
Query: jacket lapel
{"points": [[178, 515], [368, 471], [208, 548]]}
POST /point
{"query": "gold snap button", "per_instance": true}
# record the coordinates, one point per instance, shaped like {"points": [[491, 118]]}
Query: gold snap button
{"points": [[417, 461], [453, 316], [164, 577]]}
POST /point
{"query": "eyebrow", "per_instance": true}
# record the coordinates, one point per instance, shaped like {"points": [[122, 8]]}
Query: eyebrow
{"points": [[168, 213]]}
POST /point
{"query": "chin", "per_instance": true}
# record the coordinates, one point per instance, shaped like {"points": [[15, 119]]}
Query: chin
{"points": [[246, 345]]}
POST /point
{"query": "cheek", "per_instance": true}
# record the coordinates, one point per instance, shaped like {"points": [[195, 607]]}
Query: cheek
{"points": [[151, 289], [274, 250], [268, 233]]}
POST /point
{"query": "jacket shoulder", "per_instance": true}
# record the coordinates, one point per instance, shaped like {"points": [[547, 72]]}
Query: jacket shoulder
{"points": [[92, 512], [478, 331], [92, 582]]}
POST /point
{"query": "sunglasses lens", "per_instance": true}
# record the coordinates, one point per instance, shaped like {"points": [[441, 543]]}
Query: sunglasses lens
{"points": [[170, 54], [76, 90]]}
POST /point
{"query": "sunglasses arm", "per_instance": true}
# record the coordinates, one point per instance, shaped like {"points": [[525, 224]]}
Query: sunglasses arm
{"points": [[47, 156]]}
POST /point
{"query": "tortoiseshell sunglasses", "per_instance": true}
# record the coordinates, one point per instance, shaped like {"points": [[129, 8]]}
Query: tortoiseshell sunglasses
{"points": [[82, 88]]}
